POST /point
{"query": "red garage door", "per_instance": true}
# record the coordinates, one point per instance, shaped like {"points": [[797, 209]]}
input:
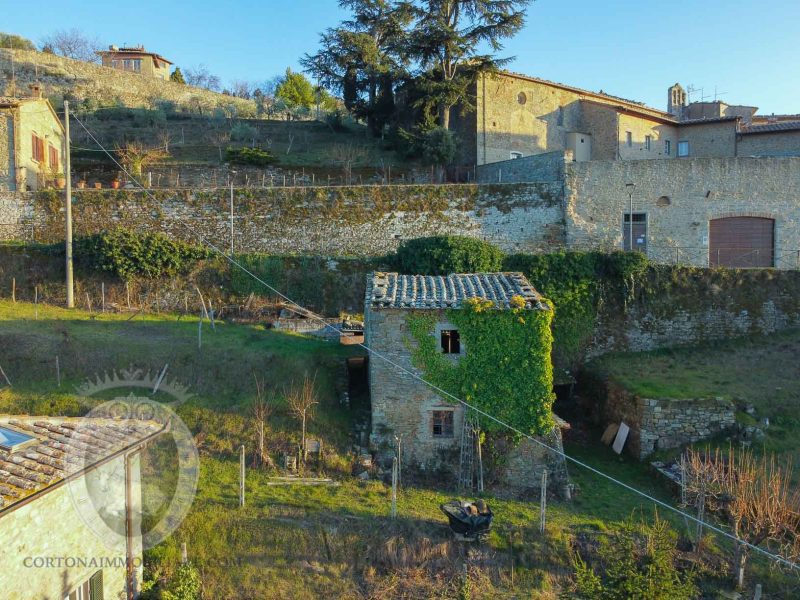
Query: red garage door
{"points": [[741, 242]]}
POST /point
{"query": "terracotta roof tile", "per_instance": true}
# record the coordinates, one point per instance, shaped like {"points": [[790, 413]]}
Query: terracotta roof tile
{"points": [[391, 290]]}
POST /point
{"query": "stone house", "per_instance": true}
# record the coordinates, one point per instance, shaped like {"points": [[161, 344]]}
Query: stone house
{"points": [[31, 143], [136, 60], [53, 548], [517, 116], [431, 427]]}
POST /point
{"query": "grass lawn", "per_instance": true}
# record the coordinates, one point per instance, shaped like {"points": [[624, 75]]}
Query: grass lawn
{"points": [[307, 542]]}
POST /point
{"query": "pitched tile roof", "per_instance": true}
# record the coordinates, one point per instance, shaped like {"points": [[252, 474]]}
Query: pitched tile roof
{"points": [[391, 290], [62, 447], [771, 127], [703, 120]]}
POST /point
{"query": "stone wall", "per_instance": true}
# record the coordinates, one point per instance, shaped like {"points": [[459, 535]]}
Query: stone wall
{"points": [[344, 221], [662, 423], [709, 140], [679, 198], [6, 151], [547, 167], [80, 80], [50, 527], [779, 143], [16, 211]]}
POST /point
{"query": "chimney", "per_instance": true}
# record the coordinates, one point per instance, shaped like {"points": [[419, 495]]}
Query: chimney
{"points": [[36, 90]]}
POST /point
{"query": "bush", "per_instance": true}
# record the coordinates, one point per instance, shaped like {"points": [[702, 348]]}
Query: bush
{"points": [[439, 146], [128, 254], [184, 585], [636, 562], [250, 156], [442, 255]]}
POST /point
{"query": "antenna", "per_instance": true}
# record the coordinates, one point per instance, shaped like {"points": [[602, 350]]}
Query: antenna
{"points": [[717, 94], [691, 90]]}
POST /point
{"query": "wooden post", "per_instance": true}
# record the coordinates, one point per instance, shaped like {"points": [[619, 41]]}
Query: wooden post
{"points": [[128, 294], [211, 315], [757, 595], [103, 295], [480, 459], [241, 477], [88, 302], [200, 332], [394, 487], [36, 302], [543, 505], [58, 372], [701, 507], [14, 290], [184, 554]]}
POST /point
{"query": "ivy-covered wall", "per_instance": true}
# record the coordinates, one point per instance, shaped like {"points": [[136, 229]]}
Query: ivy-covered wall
{"points": [[337, 221]]}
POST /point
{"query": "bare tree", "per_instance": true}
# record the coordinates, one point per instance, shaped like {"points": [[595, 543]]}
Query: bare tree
{"points": [[164, 138], [219, 137], [201, 77], [262, 410], [135, 156], [754, 495], [72, 43], [346, 156], [242, 89], [301, 401]]}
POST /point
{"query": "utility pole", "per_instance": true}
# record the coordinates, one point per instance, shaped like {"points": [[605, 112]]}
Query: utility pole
{"points": [[68, 200], [630, 187]]}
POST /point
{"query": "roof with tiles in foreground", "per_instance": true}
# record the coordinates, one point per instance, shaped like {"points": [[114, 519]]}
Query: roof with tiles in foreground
{"points": [[62, 447], [391, 290]]}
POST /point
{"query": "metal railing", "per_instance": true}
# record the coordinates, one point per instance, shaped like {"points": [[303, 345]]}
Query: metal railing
{"points": [[733, 257]]}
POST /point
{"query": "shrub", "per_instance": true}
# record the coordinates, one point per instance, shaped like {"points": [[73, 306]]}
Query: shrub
{"points": [[442, 255], [128, 254], [636, 562], [250, 156], [184, 585], [439, 146]]}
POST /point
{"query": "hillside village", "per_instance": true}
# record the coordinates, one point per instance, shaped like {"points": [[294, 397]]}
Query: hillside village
{"points": [[372, 331]]}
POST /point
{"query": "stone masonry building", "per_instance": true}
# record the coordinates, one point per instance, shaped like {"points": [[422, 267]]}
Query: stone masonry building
{"points": [[403, 406], [136, 60], [31, 143], [53, 548], [517, 116]]}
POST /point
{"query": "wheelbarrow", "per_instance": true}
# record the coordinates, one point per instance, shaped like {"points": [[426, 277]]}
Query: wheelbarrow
{"points": [[469, 521]]}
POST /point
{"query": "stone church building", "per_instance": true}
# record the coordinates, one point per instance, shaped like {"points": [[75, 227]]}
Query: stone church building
{"points": [[432, 427]]}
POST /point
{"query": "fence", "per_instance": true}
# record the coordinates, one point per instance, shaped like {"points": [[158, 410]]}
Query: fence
{"points": [[741, 258]]}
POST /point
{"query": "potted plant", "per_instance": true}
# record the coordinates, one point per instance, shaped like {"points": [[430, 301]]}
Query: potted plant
{"points": [[61, 181], [98, 185], [82, 184], [115, 184]]}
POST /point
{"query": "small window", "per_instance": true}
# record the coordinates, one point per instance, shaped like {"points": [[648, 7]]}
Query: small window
{"points": [[451, 341], [667, 147], [560, 118], [683, 148], [522, 98], [91, 589], [442, 423], [53, 157], [647, 141], [516, 155], [629, 138], [37, 148]]}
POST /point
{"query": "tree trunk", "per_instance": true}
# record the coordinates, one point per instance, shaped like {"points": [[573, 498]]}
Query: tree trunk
{"points": [[444, 116]]}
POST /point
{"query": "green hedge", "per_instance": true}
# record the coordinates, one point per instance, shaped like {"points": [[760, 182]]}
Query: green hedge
{"points": [[128, 254], [442, 255], [250, 156]]}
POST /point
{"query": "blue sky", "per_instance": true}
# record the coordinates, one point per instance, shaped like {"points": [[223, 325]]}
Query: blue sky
{"points": [[636, 49]]}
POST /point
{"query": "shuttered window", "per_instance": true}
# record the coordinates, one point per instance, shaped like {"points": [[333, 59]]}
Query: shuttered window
{"points": [[442, 423], [741, 242], [53, 157], [37, 148]]}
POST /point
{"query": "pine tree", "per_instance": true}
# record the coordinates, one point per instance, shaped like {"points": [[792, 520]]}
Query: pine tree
{"points": [[177, 76]]}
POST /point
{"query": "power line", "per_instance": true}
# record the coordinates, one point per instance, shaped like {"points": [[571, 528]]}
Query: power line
{"points": [[447, 394]]}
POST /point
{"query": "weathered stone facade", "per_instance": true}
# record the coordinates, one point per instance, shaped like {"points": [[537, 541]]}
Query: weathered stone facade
{"points": [[356, 221], [775, 143], [663, 423], [23, 120], [547, 167], [49, 549]]}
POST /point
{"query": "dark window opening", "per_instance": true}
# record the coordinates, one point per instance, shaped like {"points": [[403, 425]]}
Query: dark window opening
{"points": [[638, 232], [442, 423], [451, 341]]}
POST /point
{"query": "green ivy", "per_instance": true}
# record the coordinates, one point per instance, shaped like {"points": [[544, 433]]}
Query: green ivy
{"points": [[506, 368], [128, 254], [446, 254]]}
